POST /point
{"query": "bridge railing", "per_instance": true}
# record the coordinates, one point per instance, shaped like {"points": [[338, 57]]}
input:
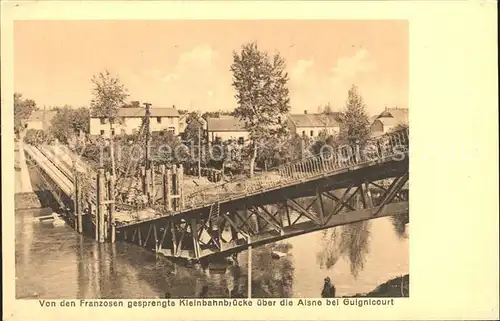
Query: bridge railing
{"points": [[394, 145]]}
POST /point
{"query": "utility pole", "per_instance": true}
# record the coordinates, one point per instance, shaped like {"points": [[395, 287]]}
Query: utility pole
{"points": [[112, 147], [148, 135], [147, 162], [249, 279], [199, 151]]}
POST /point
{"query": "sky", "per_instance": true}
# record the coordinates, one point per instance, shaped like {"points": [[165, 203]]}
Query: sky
{"points": [[186, 63]]}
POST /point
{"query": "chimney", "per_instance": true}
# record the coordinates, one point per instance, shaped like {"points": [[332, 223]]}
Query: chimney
{"points": [[305, 112], [173, 106]]}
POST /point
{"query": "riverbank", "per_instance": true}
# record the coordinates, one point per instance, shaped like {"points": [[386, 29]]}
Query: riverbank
{"points": [[26, 201], [394, 288]]}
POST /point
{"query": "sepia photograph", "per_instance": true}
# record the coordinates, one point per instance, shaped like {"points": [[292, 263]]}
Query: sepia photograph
{"points": [[211, 159]]}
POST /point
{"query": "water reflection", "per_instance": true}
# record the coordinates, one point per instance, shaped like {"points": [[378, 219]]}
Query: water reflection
{"points": [[57, 263]]}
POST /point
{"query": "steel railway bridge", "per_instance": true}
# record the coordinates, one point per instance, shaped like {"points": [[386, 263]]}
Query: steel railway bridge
{"points": [[344, 186]]}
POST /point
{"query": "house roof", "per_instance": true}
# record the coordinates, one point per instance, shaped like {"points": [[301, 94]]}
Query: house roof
{"points": [[315, 120], [400, 114], [38, 115], [141, 112], [388, 121], [225, 123]]}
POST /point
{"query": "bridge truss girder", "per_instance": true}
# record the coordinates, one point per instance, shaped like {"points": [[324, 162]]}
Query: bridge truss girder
{"points": [[274, 216]]}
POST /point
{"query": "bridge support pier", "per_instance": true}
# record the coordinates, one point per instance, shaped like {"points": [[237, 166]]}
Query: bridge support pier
{"points": [[101, 207], [105, 228], [78, 203]]}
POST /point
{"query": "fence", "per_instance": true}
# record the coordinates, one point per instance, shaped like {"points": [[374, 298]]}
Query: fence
{"points": [[387, 146]]}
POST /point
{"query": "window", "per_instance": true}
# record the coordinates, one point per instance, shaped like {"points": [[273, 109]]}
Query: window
{"points": [[312, 133], [103, 120], [113, 131], [158, 120], [171, 130], [102, 131], [241, 140], [303, 133]]}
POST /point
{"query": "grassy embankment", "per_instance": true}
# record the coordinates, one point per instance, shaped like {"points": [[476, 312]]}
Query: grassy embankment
{"points": [[394, 288]]}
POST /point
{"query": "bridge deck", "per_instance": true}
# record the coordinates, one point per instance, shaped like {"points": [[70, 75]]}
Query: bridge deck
{"points": [[391, 152], [58, 161], [275, 183], [200, 227]]}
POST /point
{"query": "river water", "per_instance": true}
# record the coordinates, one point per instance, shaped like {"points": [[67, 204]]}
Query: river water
{"points": [[54, 262]]}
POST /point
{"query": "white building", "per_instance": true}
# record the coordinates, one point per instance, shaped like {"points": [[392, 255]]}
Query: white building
{"points": [[388, 120], [311, 125], [161, 119], [40, 119], [226, 128]]}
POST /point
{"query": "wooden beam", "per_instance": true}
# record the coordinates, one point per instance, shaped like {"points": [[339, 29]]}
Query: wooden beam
{"points": [[385, 190], [134, 234], [395, 187], [341, 203], [269, 221], [300, 209], [288, 214], [194, 234], [168, 185], [147, 235], [249, 228], [366, 196], [155, 234], [174, 237], [111, 217], [272, 216], [234, 227], [336, 199], [321, 206], [179, 245], [139, 235], [101, 208]]}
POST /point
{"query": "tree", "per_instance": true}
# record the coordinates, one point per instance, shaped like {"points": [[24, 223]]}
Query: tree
{"points": [[261, 94], [216, 114], [133, 104], [70, 121], [351, 240], [37, 137], [326, 109], [168, 148], [108, 96], [354, 119], [22, 111], [194, 127]]}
